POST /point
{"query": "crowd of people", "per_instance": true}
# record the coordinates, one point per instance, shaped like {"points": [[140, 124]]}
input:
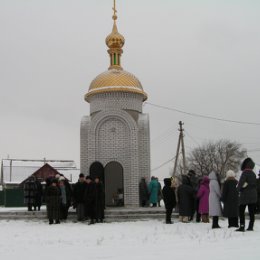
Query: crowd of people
{"points": [[205, 196], [87, 196], [194, 197]]}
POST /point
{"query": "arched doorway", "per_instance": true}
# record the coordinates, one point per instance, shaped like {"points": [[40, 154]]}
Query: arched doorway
{"points": [[97, 170], [114, 184]]}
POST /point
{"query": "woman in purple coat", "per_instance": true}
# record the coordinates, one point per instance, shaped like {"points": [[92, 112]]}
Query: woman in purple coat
{"points": [[203, 196]]}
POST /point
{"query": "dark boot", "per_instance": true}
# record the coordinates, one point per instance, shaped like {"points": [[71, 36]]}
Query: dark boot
{"points": [[236, 222], [241, 229], [233, 222], [50, 221], [168, 216], [57, 221], [29, 207], [250, 226], [198, 217], [215, 222]]}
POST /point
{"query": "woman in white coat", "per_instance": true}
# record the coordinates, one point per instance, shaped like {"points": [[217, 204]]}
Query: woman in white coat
{"points": [[214, 199]]}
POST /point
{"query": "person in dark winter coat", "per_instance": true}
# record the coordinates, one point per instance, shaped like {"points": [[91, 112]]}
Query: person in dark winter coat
{"points": [[194, 181], [185, 195], [230, 199], [247, 194], [258, 194], [99, 201], [53, 202], [38, 195], [203, 196], [78, 195], [215, 210], [89, 200], [30, 189], [159, 192], [143, 192], [169, 199]]}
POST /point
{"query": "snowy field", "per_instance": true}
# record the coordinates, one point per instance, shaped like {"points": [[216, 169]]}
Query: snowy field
{"points": [[151, 240]]}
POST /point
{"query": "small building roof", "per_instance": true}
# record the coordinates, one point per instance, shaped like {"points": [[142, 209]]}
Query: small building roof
{"points": [[16, 171]]}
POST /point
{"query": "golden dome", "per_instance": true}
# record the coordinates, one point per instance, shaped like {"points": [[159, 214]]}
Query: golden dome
{"points": [[115, 80]]}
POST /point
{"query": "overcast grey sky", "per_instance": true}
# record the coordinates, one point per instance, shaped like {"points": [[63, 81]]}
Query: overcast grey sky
{"points": [[197, 56]]}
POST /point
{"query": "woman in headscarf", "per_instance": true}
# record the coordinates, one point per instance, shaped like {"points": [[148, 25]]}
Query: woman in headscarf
{"points": [[230, 199]]}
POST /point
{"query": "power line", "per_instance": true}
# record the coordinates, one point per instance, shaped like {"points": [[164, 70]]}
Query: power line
{"points": [[164, 135], [164, 139], [161, 165], [197, 143], [203, 116]]}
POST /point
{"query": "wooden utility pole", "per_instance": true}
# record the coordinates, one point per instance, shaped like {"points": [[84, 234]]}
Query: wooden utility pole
{"points": [[180, 143]]}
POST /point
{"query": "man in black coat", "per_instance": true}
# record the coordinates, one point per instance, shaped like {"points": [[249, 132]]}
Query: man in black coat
{"points": [[78, 195], [143, 192], [169, 199], [89, 200], [247, 194], [99, 201]]}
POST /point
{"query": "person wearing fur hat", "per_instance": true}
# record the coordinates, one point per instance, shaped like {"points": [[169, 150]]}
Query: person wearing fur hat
{"points": [[214, 199], [169, 199], [247, 194], [230, 199]]}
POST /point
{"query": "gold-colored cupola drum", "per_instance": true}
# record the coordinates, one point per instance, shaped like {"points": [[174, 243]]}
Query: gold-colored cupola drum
{"points": [[115, 79]]}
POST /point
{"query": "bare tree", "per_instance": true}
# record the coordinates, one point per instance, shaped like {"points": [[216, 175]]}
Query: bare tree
{"points": [[220, 156]]}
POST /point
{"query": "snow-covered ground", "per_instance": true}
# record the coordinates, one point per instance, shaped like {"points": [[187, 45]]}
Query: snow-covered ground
{"points": [[151, 240]]}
